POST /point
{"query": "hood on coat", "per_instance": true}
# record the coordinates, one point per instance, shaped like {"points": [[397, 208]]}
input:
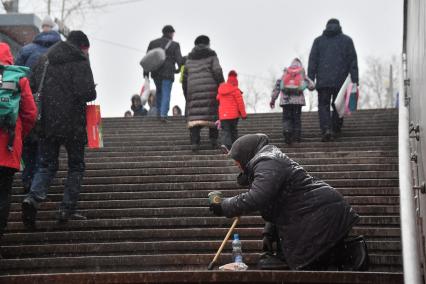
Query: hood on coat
{"points": [[226, 89], [246, 147], [47, 39], [201, 52], [296, 63], [332, 29], [6, 57], [65, 52]]}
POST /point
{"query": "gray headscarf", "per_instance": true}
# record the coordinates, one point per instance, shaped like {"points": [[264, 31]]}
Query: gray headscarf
{"points": [[246, 147]]}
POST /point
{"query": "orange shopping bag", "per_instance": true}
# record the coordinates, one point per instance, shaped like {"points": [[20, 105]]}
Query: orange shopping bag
{"points": [[94, 127]]}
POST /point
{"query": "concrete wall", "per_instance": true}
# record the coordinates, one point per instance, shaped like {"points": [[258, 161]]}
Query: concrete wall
{"points": [[415, 48]]}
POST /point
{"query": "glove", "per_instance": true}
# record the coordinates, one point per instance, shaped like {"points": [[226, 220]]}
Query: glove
{"points": [[242, 179], [216, 209], [272, 105], [244, 118]]}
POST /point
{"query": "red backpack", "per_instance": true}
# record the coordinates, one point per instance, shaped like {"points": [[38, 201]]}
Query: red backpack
{"points": [[293, 79]]}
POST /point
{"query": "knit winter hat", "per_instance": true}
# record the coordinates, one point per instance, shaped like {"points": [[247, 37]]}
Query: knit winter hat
{"points": [[202, 39], [47, 21], [168, 29], [79, 39], [232, 78]]}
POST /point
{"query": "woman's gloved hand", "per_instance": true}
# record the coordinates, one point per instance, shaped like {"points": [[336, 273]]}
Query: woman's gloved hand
{"points": [[216, 208]]}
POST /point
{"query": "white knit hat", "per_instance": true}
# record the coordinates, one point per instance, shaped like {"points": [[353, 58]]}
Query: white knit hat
{"points": [[47, 21]]}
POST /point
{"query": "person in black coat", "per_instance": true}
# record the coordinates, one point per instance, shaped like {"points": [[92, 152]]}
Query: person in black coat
{"points": [[67, 87], [312, 218], [165, 75], [332, 58]]}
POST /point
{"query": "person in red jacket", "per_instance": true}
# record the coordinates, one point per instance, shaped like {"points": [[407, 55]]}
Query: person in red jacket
{"points": [[231, 108], [10, 160]]}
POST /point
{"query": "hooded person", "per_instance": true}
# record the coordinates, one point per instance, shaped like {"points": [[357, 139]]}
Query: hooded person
{"points": [[231, 108], [312, 218], [137, 107], [292, 100], [28, 56], [10, 160], [332, 58], [67, 87], [201, 78]]}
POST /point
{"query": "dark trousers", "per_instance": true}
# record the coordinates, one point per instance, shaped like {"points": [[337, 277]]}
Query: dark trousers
{"points": [[194, 133], [31, 161], [6, 181], [229, 132], [49, 153], [292, 120], [328, 121]]}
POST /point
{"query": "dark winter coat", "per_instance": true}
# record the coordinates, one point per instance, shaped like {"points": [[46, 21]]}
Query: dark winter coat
{"points": [[139, 111], [173, 56], [67, 88], [311, 216], [332, 58], [25, 121], [31, 52], [201, 79]]}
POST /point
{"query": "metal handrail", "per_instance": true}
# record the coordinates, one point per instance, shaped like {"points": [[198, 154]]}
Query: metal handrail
{"points": [[409, 234]]}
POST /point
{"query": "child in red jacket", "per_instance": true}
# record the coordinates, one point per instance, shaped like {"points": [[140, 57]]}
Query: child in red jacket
{"points": [[231, 108], [10, 157]]}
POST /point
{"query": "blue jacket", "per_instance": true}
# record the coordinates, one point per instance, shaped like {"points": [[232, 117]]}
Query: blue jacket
{"points": [[31, 52], [332, 58]]}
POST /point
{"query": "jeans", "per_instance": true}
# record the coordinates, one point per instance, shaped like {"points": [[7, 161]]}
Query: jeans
{"points": [[163, 93], [6, 181], [229, 132], [31, 161], [49, 153], [328, 121], [292, 120], [194, 133]]}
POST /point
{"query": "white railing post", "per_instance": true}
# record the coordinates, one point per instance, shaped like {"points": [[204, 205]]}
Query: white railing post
{"points": [[409, 235]]}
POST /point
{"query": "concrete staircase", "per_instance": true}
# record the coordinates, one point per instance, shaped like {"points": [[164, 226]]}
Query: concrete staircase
{"points": [[145, 196]]}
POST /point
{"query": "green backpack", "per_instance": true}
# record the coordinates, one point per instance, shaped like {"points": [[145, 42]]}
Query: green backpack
{"points": [[10, 97]]}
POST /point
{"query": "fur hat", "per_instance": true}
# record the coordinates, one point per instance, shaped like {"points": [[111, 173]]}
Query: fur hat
{"points": [[79, 39], [202, 39]]}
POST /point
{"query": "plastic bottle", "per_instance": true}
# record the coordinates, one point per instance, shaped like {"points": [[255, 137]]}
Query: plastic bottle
{"points": [[237, 252]]}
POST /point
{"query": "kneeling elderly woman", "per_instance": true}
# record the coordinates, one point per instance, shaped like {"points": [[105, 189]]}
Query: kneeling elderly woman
{"points": [[312, 218]]}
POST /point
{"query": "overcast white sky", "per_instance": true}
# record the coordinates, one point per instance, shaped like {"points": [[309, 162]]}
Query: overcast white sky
{"points": [[254, 37]]}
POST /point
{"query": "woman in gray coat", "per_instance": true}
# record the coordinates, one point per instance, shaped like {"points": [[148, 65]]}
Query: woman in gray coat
{"points": [[201, 78], [312, 218]]}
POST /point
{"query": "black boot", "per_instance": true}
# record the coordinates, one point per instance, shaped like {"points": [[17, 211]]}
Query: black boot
{"points": [[326, 136], [29, 213]]}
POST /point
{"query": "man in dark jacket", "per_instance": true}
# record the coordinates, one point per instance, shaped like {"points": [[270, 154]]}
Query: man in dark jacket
{"points": [[165, 75], [28, 56], [312, 217], [68, 86], [332, 58]]}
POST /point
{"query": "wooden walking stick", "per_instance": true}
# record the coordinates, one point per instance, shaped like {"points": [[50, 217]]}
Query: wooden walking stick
{"points": [[234, 224]]}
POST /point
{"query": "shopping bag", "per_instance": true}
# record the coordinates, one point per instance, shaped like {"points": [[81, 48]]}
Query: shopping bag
{"points": [[94, 127], [145, 91], [352, 96], [340, 102]]}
